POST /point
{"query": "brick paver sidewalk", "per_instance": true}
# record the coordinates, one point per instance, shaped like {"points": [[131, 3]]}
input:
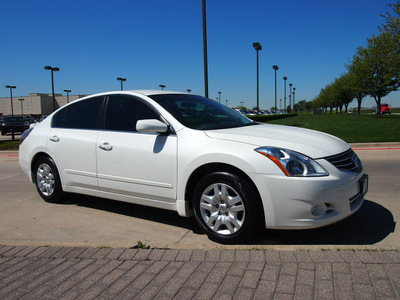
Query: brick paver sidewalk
{"points": [[117, 273]]}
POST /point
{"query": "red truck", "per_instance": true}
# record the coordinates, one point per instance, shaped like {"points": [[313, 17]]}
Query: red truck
{"points": [[385, 109]]}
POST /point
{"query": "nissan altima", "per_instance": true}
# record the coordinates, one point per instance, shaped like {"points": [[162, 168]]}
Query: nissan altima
{"points": [[190, 154]]}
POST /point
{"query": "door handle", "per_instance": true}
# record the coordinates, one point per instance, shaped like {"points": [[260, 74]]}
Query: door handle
{"points": [[106, 147], [54, 138]]}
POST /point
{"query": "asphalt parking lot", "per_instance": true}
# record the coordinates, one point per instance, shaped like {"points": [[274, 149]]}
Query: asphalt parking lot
{"points": [[87, 221]]}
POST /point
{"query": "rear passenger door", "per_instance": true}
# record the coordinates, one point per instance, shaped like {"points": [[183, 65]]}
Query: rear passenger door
{"points": [[72, 142], [141, 166]]}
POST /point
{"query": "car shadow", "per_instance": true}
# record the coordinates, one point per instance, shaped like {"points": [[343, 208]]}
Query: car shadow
{"points": [[161, 216], [371, 224]]}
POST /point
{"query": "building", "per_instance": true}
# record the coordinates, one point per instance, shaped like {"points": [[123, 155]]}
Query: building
{"points": [[34, 105]]}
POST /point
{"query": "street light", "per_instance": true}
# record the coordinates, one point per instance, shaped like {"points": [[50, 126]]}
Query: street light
{"points": [[241, 103], [284, 101], [55, 69], [205, 49], [122, 80], [219, 97], [162, 86], [276, 68], [188, 90], [67, 91], [11, 87], [290, 96], [258, 47], [226, 102], [22, 111], [294, 94]]}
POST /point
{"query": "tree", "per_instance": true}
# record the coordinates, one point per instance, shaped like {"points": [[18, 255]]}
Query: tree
{"points": [[343, 91], [308, 106], [356, 77], [379, 63], [392, 26], [301, 105]]}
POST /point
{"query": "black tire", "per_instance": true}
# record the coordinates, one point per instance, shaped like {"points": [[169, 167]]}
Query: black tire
{"points": [[47, 180], [226, 208]]}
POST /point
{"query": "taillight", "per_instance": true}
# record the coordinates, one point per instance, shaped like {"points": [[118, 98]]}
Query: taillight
{"points": [[25, 134]]}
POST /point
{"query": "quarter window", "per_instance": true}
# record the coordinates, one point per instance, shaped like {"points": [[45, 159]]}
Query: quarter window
{"points": [[123, 112]]}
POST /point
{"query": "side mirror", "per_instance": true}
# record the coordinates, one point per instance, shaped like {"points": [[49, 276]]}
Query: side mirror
{"points": [[151, 126]]}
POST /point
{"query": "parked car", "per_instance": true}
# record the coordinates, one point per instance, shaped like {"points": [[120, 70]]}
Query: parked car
{"points": [[190, 154], [243, 112], [16, 124], [385, 109]]}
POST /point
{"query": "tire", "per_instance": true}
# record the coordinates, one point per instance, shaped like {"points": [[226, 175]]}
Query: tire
{"points": [[226, 208], [47, 180]]}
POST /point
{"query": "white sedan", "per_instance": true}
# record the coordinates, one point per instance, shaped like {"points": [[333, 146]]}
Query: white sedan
{"points": [[193, 155]]}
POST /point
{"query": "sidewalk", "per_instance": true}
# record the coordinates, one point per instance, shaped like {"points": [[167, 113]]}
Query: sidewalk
{"points": [[119, 273]]}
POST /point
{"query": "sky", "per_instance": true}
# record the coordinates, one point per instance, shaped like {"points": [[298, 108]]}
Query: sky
{"points": [[153, 42]]}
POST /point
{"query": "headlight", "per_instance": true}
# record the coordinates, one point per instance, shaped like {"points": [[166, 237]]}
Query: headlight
{"points": [[292, 163]]}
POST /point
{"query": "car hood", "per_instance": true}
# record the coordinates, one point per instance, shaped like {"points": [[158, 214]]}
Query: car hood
{"points": [[312, 143]]}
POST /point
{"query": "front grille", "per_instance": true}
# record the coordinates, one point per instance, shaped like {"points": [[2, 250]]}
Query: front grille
{"points": [[347, 162]]}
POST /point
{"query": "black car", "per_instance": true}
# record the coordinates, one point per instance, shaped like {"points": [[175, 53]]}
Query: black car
{"points": [[14, 124]]}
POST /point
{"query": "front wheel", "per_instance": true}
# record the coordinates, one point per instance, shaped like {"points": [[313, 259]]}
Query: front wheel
{"points": [[226, 208], [47, 180]]}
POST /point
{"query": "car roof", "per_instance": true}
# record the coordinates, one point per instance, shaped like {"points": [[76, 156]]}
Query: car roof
{"points": [[154, 92]]}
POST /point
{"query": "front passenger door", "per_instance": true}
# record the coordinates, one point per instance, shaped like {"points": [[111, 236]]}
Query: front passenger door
{"points": [[142, 166]]}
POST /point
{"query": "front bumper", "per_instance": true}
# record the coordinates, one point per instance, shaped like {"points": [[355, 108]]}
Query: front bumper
{"points": [[301, 203]]}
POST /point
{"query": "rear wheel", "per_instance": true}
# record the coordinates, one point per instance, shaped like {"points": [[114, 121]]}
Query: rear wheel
{"points": [[47, 180], [226, 207]]}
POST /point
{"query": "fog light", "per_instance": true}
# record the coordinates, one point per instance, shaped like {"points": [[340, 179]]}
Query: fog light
{"points": [[318, 210]]}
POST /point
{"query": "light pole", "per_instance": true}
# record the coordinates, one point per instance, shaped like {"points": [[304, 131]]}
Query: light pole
{"points": [[67, 91], [284, 101], [280, 105], [162, 86], [205, 50], [258, 47], [241, 103], [290, 96], [219, 97], [189, 90], [122, 80], [226, 102], [276, 68], [55, 69], [22, 110], [294, 94], [11, 87]]}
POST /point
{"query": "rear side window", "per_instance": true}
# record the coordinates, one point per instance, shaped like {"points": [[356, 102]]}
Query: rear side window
{"points": [[123, 112], [80, 115]]}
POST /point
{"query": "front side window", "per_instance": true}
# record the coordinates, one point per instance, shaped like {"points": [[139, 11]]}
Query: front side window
{"points": [[80, 115], [200, 113], [123, 112]]}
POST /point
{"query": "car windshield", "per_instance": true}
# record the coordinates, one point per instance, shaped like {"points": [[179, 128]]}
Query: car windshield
{"points": [[200, 113]]}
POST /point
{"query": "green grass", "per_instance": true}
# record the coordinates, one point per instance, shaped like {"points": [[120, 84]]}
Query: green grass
{"points": [[9, 145], [350, 127]]}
